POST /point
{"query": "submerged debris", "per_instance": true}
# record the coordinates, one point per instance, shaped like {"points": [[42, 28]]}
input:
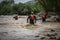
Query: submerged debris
{"points": [[42, 38], [37, 36], [52, 30]]}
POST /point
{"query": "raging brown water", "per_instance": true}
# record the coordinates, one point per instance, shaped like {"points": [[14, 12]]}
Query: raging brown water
{"points": [[11, 29]]}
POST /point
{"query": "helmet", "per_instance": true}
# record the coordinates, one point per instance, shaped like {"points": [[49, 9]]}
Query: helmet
{"points": [[32, 12]]}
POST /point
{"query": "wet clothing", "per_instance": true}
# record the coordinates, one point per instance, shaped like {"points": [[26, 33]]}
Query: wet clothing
{"points": [[32, 19], [44, 17], [16, 17]]}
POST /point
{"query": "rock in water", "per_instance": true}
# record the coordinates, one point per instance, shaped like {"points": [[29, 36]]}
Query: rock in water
{"points": [[48, 35], [53, 37], [58, 39], [42, 38], [37, 36], [52, 30]]}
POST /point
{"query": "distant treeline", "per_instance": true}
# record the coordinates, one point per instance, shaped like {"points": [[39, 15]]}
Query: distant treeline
{"points": [[50, 5], [7, 8]]}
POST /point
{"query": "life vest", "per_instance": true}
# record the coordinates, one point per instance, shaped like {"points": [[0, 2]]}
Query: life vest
{"points": [[32, 17], [16, 17], [43, 17]]}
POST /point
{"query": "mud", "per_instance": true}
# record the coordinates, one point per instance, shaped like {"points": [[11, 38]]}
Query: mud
{"points": [[11, 29]]}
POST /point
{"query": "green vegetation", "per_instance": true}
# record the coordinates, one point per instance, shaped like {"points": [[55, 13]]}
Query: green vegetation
{"points": [[9, 8], [50, 5]]}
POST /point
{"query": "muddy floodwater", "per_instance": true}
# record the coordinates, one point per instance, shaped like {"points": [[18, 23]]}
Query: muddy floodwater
{"points": [[11, 29]]}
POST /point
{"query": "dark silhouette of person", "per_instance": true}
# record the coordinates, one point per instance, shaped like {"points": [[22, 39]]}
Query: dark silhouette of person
{"points": [[32, 19], [15, 17], [44, 17]]}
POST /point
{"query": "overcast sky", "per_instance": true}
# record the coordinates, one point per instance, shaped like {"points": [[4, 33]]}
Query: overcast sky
{"points": [[0, 0], [17, 1], [23, 1]]}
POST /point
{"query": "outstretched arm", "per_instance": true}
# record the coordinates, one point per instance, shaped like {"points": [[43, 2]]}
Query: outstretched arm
{"points": [[28, 18], [35, 19]]}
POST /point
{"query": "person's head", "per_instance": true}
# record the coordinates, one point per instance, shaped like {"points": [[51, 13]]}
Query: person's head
{"points": [[32, 13]]}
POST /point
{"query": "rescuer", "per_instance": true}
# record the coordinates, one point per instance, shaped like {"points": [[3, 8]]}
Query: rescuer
{"points": [[31, 18]]}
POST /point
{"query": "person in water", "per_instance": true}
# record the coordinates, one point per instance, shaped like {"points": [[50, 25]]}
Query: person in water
{"points": [[32, 19], [44, 17], [16, 17]]}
